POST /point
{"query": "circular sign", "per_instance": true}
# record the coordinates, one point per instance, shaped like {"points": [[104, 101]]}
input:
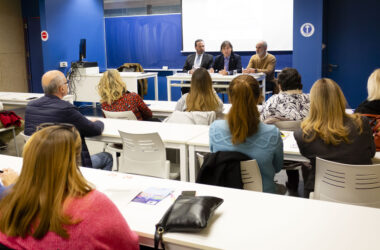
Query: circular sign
{"points": [[307, 29], [44, 35]]}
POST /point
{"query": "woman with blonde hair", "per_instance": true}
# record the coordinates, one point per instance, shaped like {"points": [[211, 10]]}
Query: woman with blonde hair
{"points": [[242, 131], [372, 104], [330, 133], [52, 206], [115, 97], [202, 96]]}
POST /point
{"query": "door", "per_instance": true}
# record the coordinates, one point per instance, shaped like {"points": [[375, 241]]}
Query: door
{"points": [[351, 35]]}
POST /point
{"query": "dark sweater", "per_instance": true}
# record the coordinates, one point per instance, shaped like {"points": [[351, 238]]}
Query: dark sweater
{"points": [[369, 107], [359, 151]]}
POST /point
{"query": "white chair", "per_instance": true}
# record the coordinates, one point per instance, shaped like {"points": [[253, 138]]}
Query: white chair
{"points": [[250, 174], [24, 136], [345, 183], [145, 154], [288, 125], [192, 117], [113, 147]]}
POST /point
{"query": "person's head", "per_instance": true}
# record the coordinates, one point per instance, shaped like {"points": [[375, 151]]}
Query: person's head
{"points": [[199, 46], [261, 48], [55, 83], [289, 79], [226, 48], [327, 114], [373, 86], [111, 87], [201, 96], [243, 117], [49, 175]]}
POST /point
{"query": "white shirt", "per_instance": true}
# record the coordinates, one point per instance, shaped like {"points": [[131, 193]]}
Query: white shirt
{"points": [[195, 61]]}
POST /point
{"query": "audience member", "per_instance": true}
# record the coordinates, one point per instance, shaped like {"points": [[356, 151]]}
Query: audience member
{"points": [[228, 61], [372, 104], [243, 131], [290, 104], [51, 108], [330, 133], [200, 59], [52, 206], [264, 62], [115, 96], [202, 96], [8, 177]]}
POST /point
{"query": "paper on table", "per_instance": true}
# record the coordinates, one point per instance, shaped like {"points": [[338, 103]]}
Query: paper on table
{"points": [[121, 197]]}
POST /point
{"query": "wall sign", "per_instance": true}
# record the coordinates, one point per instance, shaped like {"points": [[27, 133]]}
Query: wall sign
{"points": [[307, 29], [44, 35]]}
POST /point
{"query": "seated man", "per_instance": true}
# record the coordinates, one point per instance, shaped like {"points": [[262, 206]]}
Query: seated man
{"points": [[228, 61], [52, 109], [264, 62], [200, 59]]}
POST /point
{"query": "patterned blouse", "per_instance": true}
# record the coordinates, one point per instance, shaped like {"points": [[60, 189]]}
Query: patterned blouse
{"points": [[130, 101], [292, 105]]}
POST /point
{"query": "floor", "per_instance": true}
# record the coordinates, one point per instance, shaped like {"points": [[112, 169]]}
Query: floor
{"points": [[95, 147]]}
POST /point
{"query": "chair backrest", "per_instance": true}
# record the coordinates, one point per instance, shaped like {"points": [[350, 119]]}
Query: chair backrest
{"points": [[144, 154], [192, 117], [250, 174], [128, 115], [288, 125], [345, 183], [24, 136]]}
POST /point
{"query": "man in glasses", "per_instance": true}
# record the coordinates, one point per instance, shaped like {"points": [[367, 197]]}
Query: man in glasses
{"points": [[52, 109]]}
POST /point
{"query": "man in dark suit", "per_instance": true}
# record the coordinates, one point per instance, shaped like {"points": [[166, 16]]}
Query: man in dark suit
{"points": [[228, 61], [52, 109], [200, 59]]}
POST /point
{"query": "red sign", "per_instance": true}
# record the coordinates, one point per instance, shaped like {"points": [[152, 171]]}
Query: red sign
{"points": [[44, 35]]}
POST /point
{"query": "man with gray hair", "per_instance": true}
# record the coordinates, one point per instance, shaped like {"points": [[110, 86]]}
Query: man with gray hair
{"points": [[52, 109], [264, 62]]}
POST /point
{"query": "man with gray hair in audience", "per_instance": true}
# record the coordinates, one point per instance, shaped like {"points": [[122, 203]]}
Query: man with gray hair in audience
{"points": [[52, 109], [264, 62]]}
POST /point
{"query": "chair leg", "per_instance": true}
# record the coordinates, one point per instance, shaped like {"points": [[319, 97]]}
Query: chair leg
{"points": [[14, 138]]}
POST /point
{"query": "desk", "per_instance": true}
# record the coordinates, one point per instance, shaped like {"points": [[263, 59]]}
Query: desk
{"points": [[246, 219], [85, 86], [215, 78], [22, 99], [173, 135]]}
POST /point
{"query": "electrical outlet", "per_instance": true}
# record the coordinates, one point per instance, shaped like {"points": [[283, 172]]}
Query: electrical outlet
{"points": [[63, 64]]}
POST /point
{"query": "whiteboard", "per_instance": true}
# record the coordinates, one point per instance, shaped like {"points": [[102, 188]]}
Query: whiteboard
{"points": [[242, 22]]}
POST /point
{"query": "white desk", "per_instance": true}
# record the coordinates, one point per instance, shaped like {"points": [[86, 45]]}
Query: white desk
{"points": [[22, 99], [84, 86], [215, 78], [246, 219], [173, 135]]}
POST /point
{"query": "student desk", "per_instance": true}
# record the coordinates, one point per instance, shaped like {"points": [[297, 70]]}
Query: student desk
{"points": [[245, 220], [22, 99], [216, 78], [173, 135]]}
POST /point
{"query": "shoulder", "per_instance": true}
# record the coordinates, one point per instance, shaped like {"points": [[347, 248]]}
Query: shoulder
{"points": [[219, 125], [208, 55], [271, 57], [191, 56], [236, 56]]}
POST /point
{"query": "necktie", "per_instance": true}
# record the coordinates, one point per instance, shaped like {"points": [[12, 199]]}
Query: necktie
{"points": [[198, 61]]}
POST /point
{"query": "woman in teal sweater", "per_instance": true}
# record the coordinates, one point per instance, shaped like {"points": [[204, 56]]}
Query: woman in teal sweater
{"points": [[242, 131]]}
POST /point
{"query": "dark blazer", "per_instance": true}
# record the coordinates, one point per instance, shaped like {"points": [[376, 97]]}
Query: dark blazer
{"points": [[234, 64], [50, 108], [222, 168], [369, 107], [206, 63]]}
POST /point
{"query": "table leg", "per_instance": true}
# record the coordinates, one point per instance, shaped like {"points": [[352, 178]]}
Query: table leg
{"points": [[184, 167], [14, 138], [264, 87], [156, 87], [169, 90], [192, 164]]}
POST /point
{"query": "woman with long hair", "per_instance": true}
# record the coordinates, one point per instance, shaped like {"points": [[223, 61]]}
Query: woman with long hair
{"points": [[202, 96], [115, 97], [372, 104], [242, 131], [330, 133], [52, 206]]}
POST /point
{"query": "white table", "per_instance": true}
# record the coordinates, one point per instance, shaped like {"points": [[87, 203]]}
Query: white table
{"points": [[246, 219], [84, 86], [215, 78], [173, 135], [22, 99]]}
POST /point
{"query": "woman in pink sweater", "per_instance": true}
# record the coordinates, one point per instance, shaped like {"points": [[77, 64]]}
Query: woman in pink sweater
{"points": [[52, 206]]}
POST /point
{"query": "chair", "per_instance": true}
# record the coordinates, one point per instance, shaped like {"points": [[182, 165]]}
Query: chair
{"points": [[24, 136], [116, 147], [145, 154], [192, 117], [250, 174], [14, 137], [288, 125], [345, 183], [142, 83]]}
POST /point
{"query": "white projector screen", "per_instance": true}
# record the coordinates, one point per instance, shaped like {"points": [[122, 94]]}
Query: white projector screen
{"points": [[242, 22]]}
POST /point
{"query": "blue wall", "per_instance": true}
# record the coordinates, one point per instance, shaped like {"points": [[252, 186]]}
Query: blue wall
{"points": [[307, 51]]}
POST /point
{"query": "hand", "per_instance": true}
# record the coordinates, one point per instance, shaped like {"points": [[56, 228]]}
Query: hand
{"points": [[191, 71], [93, 119], [223, 72], [211, 70], [8, 177], [245, 71]]}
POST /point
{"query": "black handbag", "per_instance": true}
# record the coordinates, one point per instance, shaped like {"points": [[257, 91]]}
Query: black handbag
{"points": [[187, 214]]}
